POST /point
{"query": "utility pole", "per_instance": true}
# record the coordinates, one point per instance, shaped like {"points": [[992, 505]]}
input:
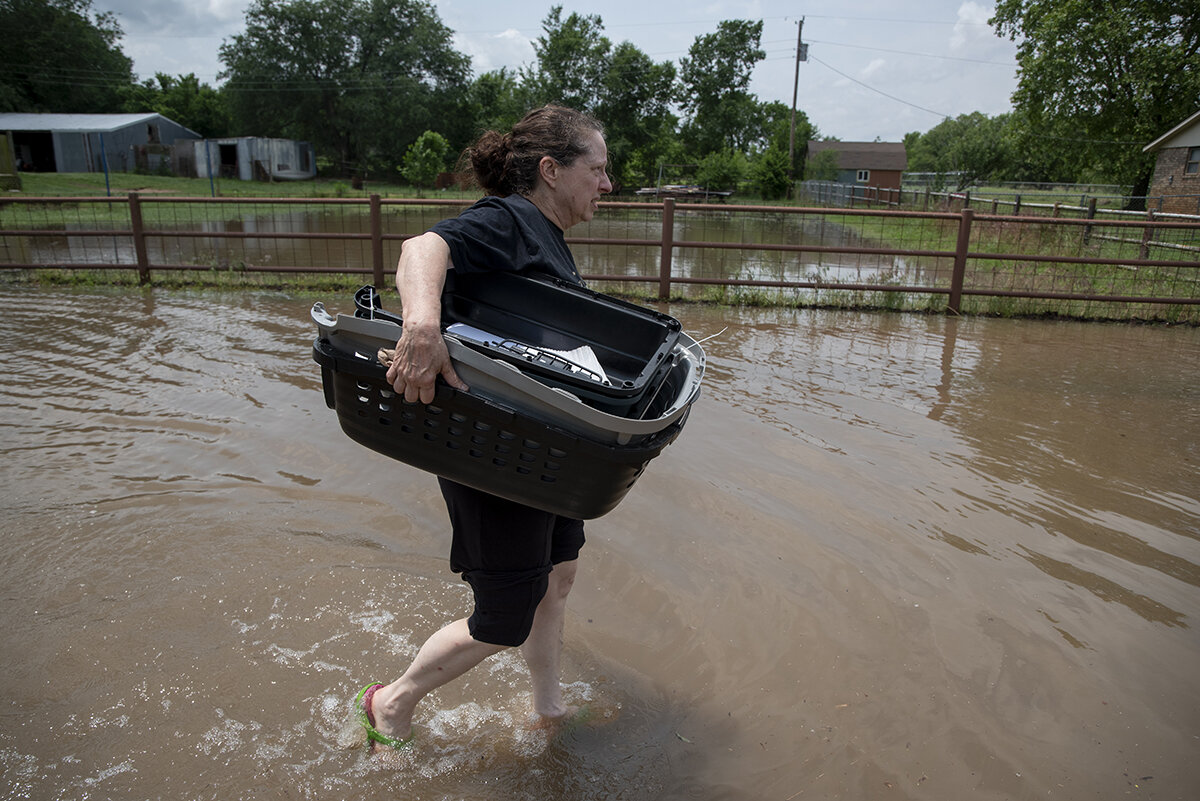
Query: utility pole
{"points": [[801, 55]]}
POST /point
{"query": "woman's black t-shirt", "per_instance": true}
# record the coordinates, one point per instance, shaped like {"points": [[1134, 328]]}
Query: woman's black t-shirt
{"points": [[510, 234]]}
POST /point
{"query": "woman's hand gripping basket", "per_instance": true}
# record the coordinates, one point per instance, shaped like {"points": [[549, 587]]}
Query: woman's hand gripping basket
{"points": [[521, 431]]}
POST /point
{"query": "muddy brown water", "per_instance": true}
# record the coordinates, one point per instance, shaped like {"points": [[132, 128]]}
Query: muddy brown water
{"points": [[891, 556], [272, 250]]}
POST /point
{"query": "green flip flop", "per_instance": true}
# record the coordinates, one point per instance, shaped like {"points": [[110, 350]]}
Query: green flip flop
{"points": [[362, 709]]}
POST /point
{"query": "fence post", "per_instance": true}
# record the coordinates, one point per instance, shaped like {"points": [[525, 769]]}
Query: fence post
{"points": [[139, 238], [960, 261], [926, 197], [1147, 235], [377, 241], [1091, 215], [668, 246], [1017, 207]]}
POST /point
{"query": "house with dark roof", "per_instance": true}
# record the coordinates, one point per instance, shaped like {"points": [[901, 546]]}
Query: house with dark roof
{"points": [[1177, 167], [92, 142], [868, 164]]}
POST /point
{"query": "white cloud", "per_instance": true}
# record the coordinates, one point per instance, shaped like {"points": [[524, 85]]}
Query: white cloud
{"points": [[227, 9], [875, 67], [492, 51], [971, 26]]}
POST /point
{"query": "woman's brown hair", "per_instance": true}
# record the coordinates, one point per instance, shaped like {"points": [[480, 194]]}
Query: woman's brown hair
{"points": [[507, 164]]}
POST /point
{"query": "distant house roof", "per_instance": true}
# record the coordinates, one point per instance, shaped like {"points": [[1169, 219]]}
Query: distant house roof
{"points": [[864, 155], [75, 123], [1182, 127]]}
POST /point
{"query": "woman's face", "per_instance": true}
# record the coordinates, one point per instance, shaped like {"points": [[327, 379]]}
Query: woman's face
{"points": [[575, 190]]}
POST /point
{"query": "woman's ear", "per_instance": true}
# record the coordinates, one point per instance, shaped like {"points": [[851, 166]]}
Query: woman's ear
{"points": [[548, 170]]}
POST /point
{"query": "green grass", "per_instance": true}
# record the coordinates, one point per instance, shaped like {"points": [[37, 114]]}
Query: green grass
{"points": [[92, 184], [99, 214], [900, 233]]}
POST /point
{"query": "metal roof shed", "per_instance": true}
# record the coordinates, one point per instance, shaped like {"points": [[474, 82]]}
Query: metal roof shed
{"points": [[87, 142]]}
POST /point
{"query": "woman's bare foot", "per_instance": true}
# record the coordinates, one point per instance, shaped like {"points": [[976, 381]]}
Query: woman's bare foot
{"points": [[386, 722], [572, 717]]}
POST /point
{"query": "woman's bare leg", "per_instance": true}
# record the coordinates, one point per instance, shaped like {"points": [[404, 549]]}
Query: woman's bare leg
{"points": [[543, 649], [445, 656]]}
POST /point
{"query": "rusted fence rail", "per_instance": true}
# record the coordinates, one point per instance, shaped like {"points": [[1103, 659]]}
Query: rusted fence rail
{"points": [[1152, 262]]}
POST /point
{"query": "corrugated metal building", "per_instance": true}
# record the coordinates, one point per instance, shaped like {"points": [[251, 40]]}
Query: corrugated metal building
{"points": [[85, 142], [248, 158], [8, 165]]}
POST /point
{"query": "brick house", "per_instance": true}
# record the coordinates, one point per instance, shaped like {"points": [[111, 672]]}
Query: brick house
{"points": [[1177, 167], [873, 164]]}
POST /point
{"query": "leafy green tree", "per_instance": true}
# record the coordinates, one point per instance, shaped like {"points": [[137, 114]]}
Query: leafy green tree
{"points": [[185, 100], [772, 127], [980, 150], [60, 56], [425, 158], [635, 100], [1097, 81], [1040, 159], [716, 78], [722, 169], [926, 151], [769, 173], [773, 131], [630, 93], [497, 100], [821, 166], [359, 79], [973, 147], [573, 57]]}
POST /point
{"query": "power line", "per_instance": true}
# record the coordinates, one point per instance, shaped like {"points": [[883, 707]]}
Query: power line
{"points": [[811, 57], [1011, 64]]}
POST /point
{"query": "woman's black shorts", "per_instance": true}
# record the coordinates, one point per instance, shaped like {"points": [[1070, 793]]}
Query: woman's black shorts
{"points": [[505, 551]]}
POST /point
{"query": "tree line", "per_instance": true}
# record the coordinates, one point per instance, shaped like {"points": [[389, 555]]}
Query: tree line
{"points": [[1096, 82], [378, 89]]}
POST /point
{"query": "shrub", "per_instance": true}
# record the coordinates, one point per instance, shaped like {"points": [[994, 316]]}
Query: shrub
{"points": [[425, 158]]}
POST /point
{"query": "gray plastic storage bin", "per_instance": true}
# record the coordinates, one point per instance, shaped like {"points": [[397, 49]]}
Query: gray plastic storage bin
{"points": [[510, 434]]}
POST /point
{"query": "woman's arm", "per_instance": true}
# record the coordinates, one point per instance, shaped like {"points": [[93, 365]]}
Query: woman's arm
{"points": [[421, 354]]}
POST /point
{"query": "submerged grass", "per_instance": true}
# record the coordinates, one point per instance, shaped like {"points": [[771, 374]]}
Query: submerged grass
{"points": [[319, 286], [91, 184]]}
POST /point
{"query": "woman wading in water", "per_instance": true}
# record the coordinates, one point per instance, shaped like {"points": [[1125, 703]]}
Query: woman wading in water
{"points": [[541, 178]]}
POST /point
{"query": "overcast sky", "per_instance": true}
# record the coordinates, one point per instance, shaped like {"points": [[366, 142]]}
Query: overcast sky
{"points": [[876, 68]]}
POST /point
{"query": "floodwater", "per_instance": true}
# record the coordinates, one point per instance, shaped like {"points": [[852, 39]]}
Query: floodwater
{"points": [[302, 253], [890, 557]]}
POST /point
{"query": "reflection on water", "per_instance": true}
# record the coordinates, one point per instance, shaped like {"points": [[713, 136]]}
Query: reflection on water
{"points": [[890, 555]]}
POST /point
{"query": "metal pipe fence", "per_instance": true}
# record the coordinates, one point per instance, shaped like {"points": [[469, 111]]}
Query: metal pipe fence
{"points": [[1033, 202], [962, 261]]}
